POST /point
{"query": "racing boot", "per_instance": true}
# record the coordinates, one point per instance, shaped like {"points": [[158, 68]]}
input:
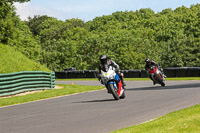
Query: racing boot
{"points": [[123, 84], [163, 73], [122, 79], [108, 91], [152, 80]]}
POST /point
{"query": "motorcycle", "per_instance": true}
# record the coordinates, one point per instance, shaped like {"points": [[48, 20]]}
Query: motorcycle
{"points": [[110, 79], [157, 75]]}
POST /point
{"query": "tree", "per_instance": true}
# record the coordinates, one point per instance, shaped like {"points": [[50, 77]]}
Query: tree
{"points": [[170, 37]]}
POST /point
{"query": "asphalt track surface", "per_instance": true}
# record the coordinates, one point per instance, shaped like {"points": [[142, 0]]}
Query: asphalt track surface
{"points": [[97, 112]]}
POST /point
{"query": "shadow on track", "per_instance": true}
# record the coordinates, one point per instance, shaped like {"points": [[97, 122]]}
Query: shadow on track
{"points": [[97, 101], [191, 85]]}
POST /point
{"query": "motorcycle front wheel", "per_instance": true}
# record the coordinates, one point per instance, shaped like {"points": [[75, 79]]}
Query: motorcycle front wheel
{"points": [[160, 80], [114, 91]]}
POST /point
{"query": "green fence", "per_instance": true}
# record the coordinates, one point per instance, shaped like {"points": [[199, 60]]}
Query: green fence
{"points": [[13, 83]]}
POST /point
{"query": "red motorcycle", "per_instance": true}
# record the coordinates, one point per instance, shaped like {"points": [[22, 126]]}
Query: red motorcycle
{"points": [[157, 75]]}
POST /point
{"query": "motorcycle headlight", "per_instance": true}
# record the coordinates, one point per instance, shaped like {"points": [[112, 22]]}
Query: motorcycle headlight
{"points": [[157, 72], [105, 78], [111, 76]]}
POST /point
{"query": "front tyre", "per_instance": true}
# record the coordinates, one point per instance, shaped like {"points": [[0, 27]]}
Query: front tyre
{"points": [[114, 91], [160, 80]]}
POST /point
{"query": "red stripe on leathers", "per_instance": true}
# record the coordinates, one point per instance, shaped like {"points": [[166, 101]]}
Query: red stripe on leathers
{"points": [[119, 87]]}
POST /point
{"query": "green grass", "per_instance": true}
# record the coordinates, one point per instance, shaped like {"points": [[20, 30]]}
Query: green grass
{"points": [[183, 121], [66, 90], [132, 79], [14, 61]]}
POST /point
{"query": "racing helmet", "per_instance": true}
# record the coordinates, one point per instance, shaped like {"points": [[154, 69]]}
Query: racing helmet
{"points": [[103, 59], [147, 60]]}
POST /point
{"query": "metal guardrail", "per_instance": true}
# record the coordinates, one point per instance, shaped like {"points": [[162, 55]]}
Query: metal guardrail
{"points": [[13, 83], [169, 72]]}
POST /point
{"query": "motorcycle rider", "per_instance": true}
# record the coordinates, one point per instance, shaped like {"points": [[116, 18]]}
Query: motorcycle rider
{"points": [[149, 64], [106, 63]]}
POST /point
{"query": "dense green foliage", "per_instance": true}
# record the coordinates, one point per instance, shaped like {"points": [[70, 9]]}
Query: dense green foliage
{"points": [[170, 37], [14, 61], [16, 33]]}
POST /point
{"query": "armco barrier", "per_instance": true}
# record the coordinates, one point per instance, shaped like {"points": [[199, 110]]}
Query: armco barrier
{"points": [[76, 74], [143, 74], [193, 72], [131, 73], [182, 72], [13, 83], [61, 75], [169, 72]]}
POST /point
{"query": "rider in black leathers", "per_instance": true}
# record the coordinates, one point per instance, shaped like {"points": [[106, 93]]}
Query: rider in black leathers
{"points": [[104, 65], [148, 65]]}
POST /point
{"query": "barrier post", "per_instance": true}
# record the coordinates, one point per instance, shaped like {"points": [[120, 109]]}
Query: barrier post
{"points": [[52, 80]]}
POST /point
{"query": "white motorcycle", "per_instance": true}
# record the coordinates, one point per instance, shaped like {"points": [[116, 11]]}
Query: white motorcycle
{"points": [[113, 83]]}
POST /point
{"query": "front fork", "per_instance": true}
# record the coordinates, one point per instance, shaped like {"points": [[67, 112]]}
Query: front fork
{"points": [[117, 85], [158, 73]]}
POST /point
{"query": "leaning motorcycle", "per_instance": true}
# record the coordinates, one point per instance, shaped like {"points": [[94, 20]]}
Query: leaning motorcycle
{"points": [[157, 75], [113, 83]]}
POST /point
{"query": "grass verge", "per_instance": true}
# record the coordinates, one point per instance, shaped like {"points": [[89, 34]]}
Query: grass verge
{"points": [[65, 90], [13, 61], [183, 121]]}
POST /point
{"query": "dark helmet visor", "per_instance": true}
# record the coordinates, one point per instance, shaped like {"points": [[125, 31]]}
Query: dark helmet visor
{"points": [[103, 61]]}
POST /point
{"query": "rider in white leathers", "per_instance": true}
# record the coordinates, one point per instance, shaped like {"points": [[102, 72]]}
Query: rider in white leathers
{"points": [[106, 63]]}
